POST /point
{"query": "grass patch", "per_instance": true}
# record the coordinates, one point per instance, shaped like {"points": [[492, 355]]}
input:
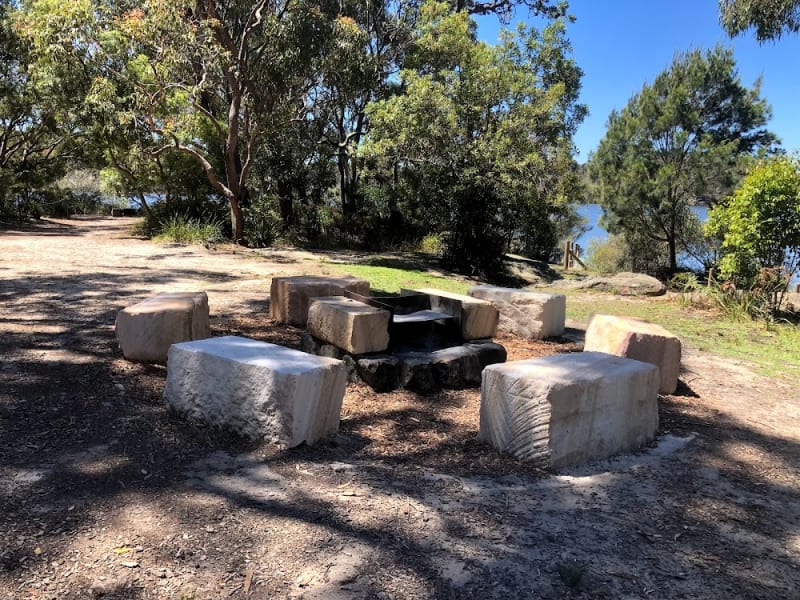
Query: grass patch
{"points": [[773, 347], [181, 230], [389, 280]]}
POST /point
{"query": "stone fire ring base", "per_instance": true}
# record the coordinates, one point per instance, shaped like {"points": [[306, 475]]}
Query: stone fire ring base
{"points": [[423, 372]]}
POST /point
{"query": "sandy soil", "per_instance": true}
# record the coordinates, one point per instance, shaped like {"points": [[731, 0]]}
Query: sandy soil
{"points": [[105, 494]]}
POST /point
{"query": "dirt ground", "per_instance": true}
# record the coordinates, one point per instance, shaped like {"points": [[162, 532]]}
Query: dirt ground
{"points": [[106, 494]]}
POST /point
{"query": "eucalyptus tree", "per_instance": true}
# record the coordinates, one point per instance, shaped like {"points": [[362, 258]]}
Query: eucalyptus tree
{"points": [[212, 79], [678, 140], [36, 126], [770, 18]]}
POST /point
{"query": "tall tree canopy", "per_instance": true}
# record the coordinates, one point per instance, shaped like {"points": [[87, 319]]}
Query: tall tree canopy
{"points": [[770, 18], [677, 141], [303, 112], [480, 137]]}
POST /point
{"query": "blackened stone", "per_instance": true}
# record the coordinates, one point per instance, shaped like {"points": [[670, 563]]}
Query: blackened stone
{"points": [[417, 375], [310, 344], [488, 353], [457, 367], [381, 373], [352, 368]]}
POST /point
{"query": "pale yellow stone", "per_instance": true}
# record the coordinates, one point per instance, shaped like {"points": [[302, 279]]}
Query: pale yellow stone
{"points": [[569, 409], [146, 330], [289, 296], [352, 326], [478, 318], [639, 340]]}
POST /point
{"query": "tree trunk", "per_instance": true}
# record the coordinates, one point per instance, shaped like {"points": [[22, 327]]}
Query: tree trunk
{"points": [[144, 205], [345, 184], [237, 220], [286, 205], [673, 255]]}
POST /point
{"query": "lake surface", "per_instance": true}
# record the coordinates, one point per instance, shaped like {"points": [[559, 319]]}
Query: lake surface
{"points": [[593, 212]]}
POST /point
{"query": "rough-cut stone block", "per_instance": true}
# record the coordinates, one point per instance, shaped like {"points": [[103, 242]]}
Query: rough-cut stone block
{"points": [[488, 353], [478, 318], [352, 326], [456, 367], [146, 330], [289, 296], [416, 373], [569, 409], [532, 315], [639, 340], [256, 389], [381, 373]]}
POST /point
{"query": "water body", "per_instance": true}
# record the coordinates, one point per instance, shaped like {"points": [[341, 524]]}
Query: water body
{"points": [[593, 212]]}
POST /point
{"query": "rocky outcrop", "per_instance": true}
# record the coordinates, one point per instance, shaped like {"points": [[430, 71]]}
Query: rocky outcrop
{"points": [[624, 284]]}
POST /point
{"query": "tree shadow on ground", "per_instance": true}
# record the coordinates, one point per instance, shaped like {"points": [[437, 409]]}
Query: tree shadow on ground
{"points": [[85, 440]]}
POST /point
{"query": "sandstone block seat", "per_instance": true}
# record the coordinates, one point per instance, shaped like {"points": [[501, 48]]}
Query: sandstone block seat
{"points": [[569, 409], [289, 296], [525, 313], [639, 340], [348, 324], [477, 318], [256, 389], [146, 330]]}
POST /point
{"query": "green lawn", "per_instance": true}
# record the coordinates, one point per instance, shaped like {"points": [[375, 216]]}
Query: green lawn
{"points": [[389, 280], [773, 347]]}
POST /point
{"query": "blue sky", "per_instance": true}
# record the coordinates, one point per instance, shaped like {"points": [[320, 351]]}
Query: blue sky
{"points": [[622, 44]]}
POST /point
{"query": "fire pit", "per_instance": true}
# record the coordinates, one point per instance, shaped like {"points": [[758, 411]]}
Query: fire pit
{"points": [[435, 339]]}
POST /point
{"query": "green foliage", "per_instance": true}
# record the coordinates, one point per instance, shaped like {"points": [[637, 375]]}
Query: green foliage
{"points": [[478, 139], [182, 230], [262, 224], [760, 223], [770, 18], [679, 139], [685, 282], [431, 244], [608, 255]]}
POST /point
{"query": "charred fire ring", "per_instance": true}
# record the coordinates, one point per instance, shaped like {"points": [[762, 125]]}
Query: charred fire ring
{"points": [[421, 340]]}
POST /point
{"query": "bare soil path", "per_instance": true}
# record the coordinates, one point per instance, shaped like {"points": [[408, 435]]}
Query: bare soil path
{"points": [[105, 494]]}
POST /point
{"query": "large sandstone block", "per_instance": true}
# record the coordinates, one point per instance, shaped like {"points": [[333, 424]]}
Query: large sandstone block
{"points": [[532, 315], [289, 296], [146, 330], [350, 325], [639, 340], [256, 389], [478, 318], [569, 409]]}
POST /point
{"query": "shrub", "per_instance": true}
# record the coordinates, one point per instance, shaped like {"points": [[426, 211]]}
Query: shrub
{"points": [[182, 230], [609, 255], [262, 224], [431, 244]]}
